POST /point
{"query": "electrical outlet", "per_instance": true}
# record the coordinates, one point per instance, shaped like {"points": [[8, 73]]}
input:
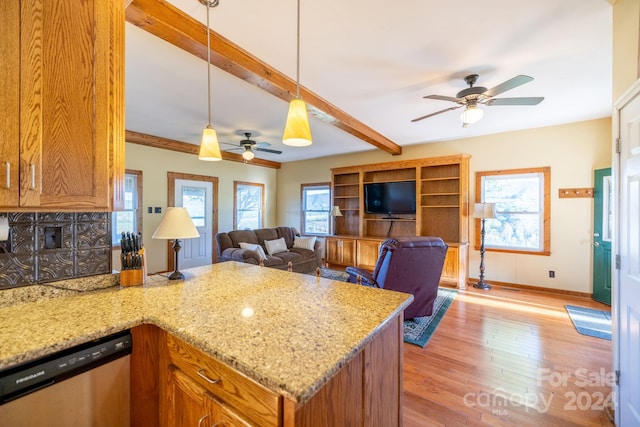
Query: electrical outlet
{"points": [[552, 273]]}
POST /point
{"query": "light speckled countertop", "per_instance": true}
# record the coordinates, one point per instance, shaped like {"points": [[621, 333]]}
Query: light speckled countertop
{"points": [[302, 331]]}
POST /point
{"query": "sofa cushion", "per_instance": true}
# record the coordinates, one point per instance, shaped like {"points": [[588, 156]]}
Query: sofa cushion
{"points": [[246, 236], [254, 247], [305, 242], [263, 234], [276, 246]]}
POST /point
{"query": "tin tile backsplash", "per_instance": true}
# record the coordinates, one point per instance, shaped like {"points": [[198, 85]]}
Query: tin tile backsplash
{"points": [[47, 246]]}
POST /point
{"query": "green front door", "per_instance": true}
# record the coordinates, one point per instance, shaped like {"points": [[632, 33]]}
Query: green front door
{"points": [[602, 229]]}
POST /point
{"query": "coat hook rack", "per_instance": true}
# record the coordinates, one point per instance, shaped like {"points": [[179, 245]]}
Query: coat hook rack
{"points": [[573, 193]]}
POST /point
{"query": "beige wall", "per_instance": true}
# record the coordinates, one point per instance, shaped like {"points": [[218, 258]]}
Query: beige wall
{"points": [[572, 151], [155, 163], [626, 23]]}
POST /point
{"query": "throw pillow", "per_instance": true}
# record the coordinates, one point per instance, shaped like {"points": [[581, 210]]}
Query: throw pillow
{"points": [[275, 246], [305, 242], [254, 247]]}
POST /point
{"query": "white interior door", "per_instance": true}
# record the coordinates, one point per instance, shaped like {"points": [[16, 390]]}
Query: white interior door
{"points": [[197, 197], [627, 275]]}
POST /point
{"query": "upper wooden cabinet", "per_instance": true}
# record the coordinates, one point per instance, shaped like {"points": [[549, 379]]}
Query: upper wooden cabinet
{"points": [[62, 98]]}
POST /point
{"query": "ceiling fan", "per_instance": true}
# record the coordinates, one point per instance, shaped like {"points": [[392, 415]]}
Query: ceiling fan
{"points": [[248, 146], [474, 96]]}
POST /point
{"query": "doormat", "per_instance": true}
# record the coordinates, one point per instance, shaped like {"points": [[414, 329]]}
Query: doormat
{"points": [[418, 330], [590, 321]]}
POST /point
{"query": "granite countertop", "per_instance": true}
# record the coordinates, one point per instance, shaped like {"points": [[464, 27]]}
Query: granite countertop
{"points": [[290, 332]]}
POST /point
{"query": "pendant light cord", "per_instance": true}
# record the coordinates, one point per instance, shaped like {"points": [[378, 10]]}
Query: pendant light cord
{"points": [[298, 54], [209, 66]]}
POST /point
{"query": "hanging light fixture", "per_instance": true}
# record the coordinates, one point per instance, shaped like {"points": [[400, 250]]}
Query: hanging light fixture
{"points": [[209, 146], [297, 132], [248, 153], [471, 114]]}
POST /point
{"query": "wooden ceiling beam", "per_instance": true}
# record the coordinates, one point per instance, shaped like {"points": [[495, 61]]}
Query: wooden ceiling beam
{"points": [[164, 20], [185, 147]]}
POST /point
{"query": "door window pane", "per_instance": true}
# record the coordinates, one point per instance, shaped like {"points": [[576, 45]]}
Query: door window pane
{"points": [[194, 199]]}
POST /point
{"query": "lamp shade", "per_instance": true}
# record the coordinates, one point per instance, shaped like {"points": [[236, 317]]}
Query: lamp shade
{"points": [[176, 224], [484, 210], [335, 211], [248, 154], [209, 146], [471, 115], [297, 132]]}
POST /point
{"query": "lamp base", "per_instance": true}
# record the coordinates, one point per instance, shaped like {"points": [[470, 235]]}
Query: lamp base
{"points": [[482, 285], [176, 275]]}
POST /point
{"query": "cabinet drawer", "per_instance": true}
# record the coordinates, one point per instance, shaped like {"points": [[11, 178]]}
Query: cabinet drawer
{"points": [[252, 400]]}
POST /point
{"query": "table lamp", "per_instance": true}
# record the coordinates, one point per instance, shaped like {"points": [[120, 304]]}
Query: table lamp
{"points": [[176, 224], [483, 211], [335, 212]]}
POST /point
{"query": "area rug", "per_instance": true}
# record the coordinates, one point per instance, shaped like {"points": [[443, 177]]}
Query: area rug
{"points": [[416, 331], [590, 321]]}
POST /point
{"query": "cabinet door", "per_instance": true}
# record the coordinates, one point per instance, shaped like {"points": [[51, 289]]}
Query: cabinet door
{"points": [[450, 267], [368, 251], [186, 405], [222, 415], [69, 102], [9, 102]]}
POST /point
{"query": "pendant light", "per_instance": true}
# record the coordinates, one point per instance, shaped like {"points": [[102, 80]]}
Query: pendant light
{"points": [[209, 146], [297, 132]]}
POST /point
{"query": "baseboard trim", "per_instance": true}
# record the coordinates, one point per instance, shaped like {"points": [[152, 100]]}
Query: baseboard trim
{"points": [[588, 295]]}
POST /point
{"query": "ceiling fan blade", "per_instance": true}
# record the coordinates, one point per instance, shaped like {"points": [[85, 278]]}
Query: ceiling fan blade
{"points": [[228, 143], [267, 150], [508, 85], [442, 98], [533, 100], [437, 112]]}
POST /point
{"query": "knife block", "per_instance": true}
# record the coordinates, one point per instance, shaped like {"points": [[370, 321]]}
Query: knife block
{"points": [[131, 277], [135, 277]]}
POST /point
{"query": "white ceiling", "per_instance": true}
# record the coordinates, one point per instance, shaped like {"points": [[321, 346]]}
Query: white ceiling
{"points": [[376, 60]]}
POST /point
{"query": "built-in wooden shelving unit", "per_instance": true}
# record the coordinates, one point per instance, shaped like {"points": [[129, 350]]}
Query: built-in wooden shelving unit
{"points": [[441, 210]]}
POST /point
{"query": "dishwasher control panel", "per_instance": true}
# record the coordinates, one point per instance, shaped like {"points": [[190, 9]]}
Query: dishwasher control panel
{"points": [[31, 376]]}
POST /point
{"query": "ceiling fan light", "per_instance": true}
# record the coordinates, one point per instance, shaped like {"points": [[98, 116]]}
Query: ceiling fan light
{"points": [[471, 115], [248, 154], [297, 132], [209, 146]]}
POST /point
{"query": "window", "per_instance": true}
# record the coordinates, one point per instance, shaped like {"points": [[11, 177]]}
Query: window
{"points": [[130, 219], [315, 207], [248, 205], [522, 210]]}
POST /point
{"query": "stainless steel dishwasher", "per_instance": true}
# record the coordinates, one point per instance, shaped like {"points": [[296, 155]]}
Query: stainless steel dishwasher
{"points": [[87, 385]]}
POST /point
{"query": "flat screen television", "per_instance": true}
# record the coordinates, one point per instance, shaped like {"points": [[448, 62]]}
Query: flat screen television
{"points": [[390, 198]]}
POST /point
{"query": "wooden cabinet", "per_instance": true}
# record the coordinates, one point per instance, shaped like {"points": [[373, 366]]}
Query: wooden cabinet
{"points": [[442, 192], [190, 405], [340, 251], [367, 252], [229, 395], [62, 97]]}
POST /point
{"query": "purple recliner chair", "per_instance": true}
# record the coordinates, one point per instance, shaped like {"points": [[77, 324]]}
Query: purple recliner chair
{"points": [[407, 264]]}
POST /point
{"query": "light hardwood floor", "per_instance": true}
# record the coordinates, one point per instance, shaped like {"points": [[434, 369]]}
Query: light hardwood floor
{"points": [[508, 358]]}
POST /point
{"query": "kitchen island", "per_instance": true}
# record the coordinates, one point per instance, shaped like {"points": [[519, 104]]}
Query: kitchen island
{"points": [[292, 349]]}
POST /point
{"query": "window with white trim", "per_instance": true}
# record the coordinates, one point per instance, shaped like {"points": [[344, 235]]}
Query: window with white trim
{"points": [[315, 208], [129, 219], [522, 222]]}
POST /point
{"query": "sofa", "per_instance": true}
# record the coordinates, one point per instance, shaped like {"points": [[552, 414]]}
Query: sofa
{"points": [[275, 247]]}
